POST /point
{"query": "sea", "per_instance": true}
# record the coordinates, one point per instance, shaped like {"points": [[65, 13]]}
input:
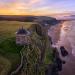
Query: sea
{"points": [[63, 34]]}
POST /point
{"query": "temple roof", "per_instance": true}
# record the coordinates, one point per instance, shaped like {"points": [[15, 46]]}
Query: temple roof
{"points": [[22, 31]]}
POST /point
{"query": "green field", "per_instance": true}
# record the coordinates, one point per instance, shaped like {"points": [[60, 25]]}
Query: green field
{"points": [[8, 48]]}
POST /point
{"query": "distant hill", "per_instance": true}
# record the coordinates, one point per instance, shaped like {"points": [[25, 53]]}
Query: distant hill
{"points": [[18, 18], [49, 20], [70, 17]]}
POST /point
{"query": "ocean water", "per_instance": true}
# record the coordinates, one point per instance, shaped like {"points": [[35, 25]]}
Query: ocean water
{"points": [[67, 36], [64, 35]]}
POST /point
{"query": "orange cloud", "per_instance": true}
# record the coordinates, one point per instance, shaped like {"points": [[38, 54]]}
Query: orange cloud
{"points": [[19, 7], [5, 12]]}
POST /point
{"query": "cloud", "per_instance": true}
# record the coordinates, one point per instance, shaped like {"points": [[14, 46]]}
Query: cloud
{"points": [[39, 7], [24, 4], [21, 6], [35, 1]]}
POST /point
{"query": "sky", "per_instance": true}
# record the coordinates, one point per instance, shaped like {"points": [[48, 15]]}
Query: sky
{"points": [[36, 7]]}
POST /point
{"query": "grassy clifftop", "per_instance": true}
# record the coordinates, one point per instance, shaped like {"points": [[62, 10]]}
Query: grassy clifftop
{"points": [[37, 54], [8, 48], [9, 45], [5, 66]]}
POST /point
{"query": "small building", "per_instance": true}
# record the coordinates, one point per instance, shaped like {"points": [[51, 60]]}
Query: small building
{"points": [[23, 36]]}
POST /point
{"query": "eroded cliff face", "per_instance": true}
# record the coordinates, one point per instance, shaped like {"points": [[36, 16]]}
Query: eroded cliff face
{"points": [[54, 32]]}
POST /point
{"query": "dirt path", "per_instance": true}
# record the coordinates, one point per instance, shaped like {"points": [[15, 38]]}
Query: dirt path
{"points": [[19, 67]]}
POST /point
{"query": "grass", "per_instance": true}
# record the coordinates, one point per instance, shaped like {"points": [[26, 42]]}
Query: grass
{"points": [[8, 28], [48, 52], [9, 45], [5, 66], [8, 48], [12, 56], [48, 56]]}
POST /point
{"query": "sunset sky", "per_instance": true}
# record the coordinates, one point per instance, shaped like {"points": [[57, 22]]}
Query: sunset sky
{"points": [[36, 7]]}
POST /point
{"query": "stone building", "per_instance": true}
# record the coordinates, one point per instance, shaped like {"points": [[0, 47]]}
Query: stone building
{"points": [[22, 36]]}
